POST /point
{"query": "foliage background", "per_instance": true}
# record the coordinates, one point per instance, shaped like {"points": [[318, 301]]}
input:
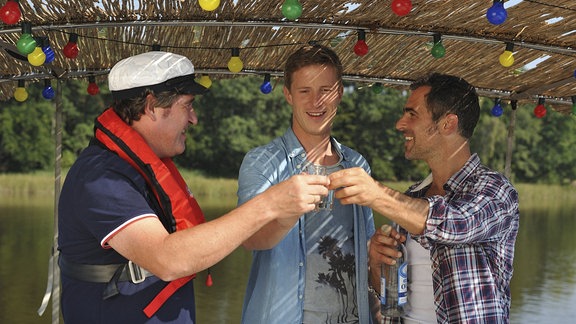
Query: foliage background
{"points": [[235, 117]]}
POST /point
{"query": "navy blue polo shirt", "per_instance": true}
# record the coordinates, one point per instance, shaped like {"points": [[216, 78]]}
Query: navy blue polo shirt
{"points": [[101, 194]]}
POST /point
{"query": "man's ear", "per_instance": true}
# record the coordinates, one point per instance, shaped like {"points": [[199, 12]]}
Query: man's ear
{"points": [[149, 107], [287, 95], [450, 124]]}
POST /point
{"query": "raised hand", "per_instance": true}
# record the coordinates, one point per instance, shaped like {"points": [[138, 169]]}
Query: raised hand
{"points": [[297, 195], [354, 186]]}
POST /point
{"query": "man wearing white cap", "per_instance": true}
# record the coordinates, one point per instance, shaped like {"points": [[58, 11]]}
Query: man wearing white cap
{"points": [[131, 235]]}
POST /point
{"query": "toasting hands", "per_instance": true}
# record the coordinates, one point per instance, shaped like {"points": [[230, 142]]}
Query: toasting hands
{"points": [[354, 186], [297, 195]]}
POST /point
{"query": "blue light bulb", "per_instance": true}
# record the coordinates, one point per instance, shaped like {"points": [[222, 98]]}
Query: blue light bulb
{"points": [[48, 92], [497, 110], [497, 14], [266, 86], [50, 55]]}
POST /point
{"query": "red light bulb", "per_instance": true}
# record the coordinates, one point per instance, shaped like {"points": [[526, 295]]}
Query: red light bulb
{"points": [[71, 49], [93, 88], [361, 48], [540, 109], [10, 12], [401, 7]]}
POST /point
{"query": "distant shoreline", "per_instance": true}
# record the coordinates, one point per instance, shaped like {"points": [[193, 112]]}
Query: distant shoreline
{"points": [[42, 185]]}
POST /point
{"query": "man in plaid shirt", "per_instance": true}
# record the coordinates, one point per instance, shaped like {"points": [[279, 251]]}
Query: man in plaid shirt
{"points": [[464, 214]]}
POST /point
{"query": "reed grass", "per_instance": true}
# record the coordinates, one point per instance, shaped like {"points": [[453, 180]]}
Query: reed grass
{"points": [[42, 183], [35, 184]]}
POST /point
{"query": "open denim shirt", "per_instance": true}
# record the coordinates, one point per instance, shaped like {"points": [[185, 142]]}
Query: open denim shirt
{"points": [[275, 290]]}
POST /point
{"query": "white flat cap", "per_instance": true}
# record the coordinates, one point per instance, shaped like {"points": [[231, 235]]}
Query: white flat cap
{"points": [[156, 70]]}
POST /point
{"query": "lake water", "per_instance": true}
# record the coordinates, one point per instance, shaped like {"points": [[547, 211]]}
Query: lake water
{"points": [[543, 285]]}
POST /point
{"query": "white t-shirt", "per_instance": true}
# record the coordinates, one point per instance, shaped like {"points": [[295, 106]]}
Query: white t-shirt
{"points": [[420, 307]]}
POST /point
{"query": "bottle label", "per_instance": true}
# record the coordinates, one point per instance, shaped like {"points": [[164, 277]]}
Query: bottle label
{"points": [[382, 290], [403, 284]]}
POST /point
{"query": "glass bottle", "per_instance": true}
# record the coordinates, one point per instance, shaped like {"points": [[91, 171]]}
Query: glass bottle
{"points": [[394, 285]]}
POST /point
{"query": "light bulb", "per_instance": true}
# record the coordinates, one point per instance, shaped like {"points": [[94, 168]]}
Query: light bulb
{"points": [[26, 44], [71, 49], [235, 64], [47, 49], [205, 81], [497, 109], [438, 50], [93, 88], [496, 14], [266, 86], [10, 12], [48, 93], [291, 9], [20, 94], [540, 109], [507, 57], [361, 48], [377, 88], [401, 7], [37, 57], [209, 5]]}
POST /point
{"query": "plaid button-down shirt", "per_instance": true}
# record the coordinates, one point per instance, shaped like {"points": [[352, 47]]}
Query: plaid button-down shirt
{"points": [[471, 232]]}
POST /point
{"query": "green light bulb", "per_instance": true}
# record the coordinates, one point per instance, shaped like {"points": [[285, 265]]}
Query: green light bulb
{"points": [[438, 50], [291, 9]]}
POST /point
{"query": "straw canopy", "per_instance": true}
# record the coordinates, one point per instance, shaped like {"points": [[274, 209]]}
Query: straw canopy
{"points": [[540, 34]]}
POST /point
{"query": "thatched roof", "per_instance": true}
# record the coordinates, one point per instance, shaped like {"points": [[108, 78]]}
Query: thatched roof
{"points": [[399, 46]]}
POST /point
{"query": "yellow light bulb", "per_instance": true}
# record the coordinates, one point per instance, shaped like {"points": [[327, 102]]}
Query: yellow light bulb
{"points": [[37, 57], [20, 94], [209, 5], [205, 81], [235, 64], [506, 59]]}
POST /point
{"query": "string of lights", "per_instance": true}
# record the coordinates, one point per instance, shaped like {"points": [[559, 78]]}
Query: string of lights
{"points": [[37, 50], [550, 5]]}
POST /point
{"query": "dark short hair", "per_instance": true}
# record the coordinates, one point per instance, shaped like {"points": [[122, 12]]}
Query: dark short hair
{"points": [[451, 95], [131, 109], [311, 55]]}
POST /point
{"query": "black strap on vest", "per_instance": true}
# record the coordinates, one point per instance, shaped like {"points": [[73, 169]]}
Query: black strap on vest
{"points": [[104, 273]]}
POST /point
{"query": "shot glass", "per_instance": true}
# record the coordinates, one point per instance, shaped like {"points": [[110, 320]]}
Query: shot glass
{"points": [[327, 201]]}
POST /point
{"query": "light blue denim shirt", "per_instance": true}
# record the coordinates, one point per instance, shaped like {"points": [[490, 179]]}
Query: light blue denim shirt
{"points": [[275, 290]]}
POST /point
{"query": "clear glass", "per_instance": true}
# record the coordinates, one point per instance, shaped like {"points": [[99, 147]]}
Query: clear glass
{"points": [[327, 201]]}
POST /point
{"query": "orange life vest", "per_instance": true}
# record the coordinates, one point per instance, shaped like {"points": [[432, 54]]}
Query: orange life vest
{"points": [[179, 208]]}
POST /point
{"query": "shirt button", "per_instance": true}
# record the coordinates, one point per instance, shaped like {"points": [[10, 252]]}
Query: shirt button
{"points": [[299, 296], [301, 264]]}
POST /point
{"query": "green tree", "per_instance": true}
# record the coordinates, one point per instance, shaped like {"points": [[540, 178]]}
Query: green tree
{"points": [[79, 111], [25, 134], [234, 117], [553, 157], [366, 122], [489, 138]]}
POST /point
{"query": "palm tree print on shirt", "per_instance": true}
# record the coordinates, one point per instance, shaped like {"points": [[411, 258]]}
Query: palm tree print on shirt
{"points": [[341, 265]]}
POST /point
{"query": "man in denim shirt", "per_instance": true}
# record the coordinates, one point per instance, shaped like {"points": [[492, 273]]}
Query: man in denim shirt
{"points": [[311, 268]]}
